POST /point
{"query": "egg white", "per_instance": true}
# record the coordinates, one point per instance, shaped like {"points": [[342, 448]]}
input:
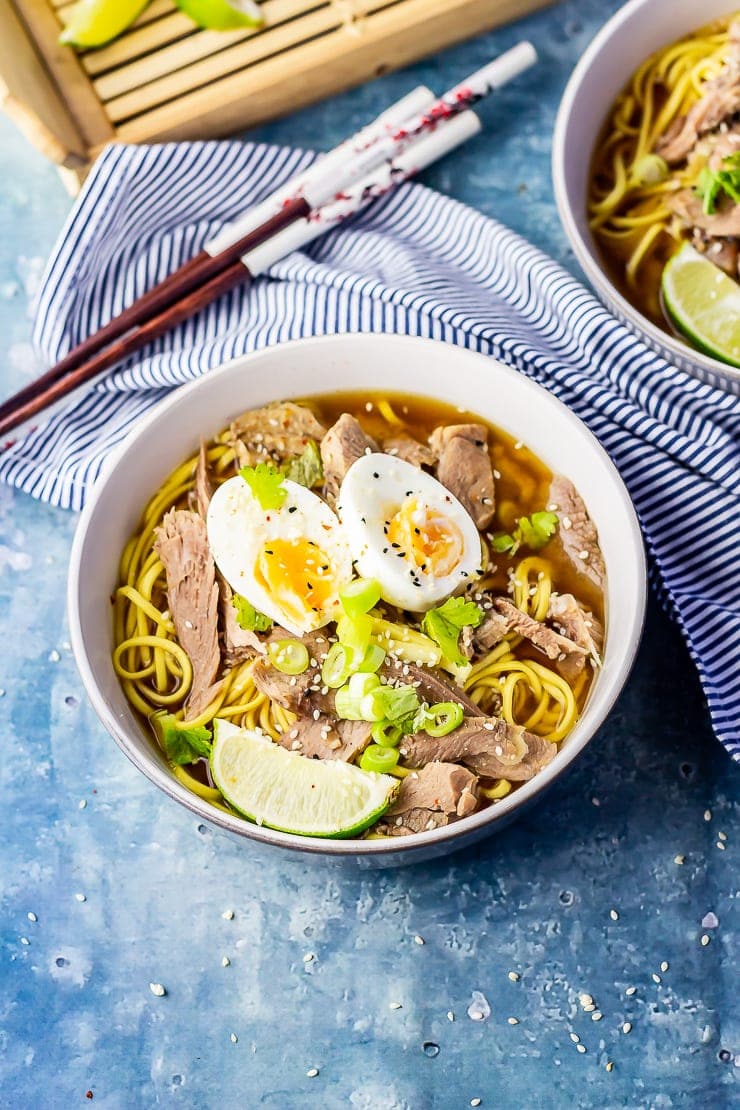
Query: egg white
{"points": [[375, 487], [239, 528]]}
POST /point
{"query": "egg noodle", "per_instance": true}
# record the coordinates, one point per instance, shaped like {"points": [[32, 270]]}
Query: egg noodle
{"points": [[156, 673], [627, 210]]}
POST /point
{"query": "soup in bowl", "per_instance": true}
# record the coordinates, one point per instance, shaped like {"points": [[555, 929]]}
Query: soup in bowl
{"points": [[355, 620], [646, 164]]}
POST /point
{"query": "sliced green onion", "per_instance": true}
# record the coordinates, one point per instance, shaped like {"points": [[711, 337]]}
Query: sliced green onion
{"points": [[373, 658], [379, 758], [355, 632], [363, 683], [288, 656], [442, 718], [354, 702], [337, 667], [405, 643], [360, 596], [386, 734]]}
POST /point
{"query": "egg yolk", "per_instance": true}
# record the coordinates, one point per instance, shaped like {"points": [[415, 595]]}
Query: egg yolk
{"points": [[298, 575], [428, 538]]}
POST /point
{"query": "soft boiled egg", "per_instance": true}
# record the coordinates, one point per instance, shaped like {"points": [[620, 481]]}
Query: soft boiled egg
{"points": [[407, 531], [290, 563]]}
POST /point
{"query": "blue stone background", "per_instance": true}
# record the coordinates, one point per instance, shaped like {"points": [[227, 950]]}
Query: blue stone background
{"points": [[128, 889]]}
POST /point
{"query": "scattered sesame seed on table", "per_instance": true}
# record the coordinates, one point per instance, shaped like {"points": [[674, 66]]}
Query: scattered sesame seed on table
{"points": [[122, 998]]}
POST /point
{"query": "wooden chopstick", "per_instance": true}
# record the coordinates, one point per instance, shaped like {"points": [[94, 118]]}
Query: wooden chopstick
{"points": [[199, 281], [125, 334]]}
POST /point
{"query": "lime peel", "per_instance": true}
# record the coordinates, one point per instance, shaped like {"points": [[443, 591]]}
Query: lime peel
{"points": [[94, 22], [285, 790], [703, 303], [219, 15]]}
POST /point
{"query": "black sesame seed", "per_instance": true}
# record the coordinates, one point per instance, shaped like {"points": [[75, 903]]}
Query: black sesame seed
{"points": [[375, 474], [292, 508], [395, 546]]}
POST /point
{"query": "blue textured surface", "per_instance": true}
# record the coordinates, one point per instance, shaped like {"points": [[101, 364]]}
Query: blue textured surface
{"points": [[126, 889]]}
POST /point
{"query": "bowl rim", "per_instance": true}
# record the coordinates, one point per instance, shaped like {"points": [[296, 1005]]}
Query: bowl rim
{"points": [[157, 773], [584, 246]]}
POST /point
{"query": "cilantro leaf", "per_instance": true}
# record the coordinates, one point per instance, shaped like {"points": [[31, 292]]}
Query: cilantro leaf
{"points": [[249, 618], [445, 623], [306, 469], [531, 531], [712, 183], [266, 483], [181, 744]]}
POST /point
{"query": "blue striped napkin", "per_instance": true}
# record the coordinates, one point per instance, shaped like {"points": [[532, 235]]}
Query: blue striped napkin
{"points": [[415, 263]]}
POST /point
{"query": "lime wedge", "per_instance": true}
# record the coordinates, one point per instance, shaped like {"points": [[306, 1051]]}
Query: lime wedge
{"points": [[285, 790], [95, 22], [218, 15], [703, 303]]}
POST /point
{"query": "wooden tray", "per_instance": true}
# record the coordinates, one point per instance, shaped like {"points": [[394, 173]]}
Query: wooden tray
{"points": [[166, 79]]}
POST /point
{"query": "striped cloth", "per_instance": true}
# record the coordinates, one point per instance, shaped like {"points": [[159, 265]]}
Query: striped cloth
{"points": [[415, 263]]}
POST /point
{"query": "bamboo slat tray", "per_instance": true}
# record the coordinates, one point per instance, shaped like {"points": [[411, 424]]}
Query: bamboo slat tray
{"points": [[166, 79]]}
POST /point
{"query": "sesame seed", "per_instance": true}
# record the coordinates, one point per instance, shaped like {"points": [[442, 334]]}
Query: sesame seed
{"points": [[664, 966], [309, 956], [228, 915], [157, 989], [614, 915], [609, 1065], [679, 860], [312, 1073], [656, 978], [710, 921], [707, 815], [31, 916], [475, 1102], [627, 1027], [54, 656], [630, 991], [720, 845], [513, 1021], [705, 940], [25, 940], [418, 939], [395, 1006], [514, 976], [589, 1008], [475, 1015], [80, 898], [450, 1015], [585, 999], [580, 1048], [233, 1038], [82, 804], [575, 1038], [596, 1015], [722, 835]]}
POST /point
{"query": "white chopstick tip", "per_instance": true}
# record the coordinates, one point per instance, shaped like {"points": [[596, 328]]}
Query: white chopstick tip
{"points": [[507, 66]]}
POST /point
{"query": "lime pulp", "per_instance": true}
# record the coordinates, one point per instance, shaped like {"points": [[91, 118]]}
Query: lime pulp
{"points": [[703, 303]]}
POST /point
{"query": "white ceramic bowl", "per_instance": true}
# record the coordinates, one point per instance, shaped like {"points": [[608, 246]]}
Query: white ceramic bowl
{"points": [[378, 362], [634, 32]]}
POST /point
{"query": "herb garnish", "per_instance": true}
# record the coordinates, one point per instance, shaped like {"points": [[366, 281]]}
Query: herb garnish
{"points": [[249, 618], [266, 483], [531, 531], [445, 623]]}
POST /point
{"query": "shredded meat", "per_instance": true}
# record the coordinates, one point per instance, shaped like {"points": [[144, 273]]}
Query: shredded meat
{"points": [[723, 223], [580, 626], [720, 101], [203, 483], [192, 595], [576, 530], [327, 738], [410, 450], [431, 686], [490, 632], [278, 431], [486, 745], [551, 643], [343, 444], [301, 693], [464, 467], [432, 797]]}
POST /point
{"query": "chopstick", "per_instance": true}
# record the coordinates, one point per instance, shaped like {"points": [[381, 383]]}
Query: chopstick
{"points": [[335, 187], [262, 220]]}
